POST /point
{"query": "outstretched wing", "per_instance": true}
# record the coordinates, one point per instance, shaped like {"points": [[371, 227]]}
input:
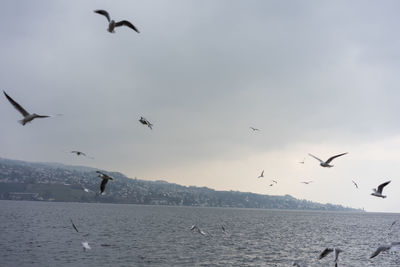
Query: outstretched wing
{"points": [[355, 183], [104, 13], [324, 253], [320, 160], [73, 225], [103, 185], [379, 250], [126, 23], [380, 187], [332, 158], [17, 106]]}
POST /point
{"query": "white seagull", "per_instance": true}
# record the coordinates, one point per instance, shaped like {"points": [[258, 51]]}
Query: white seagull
{"points": [[112, 24], [195, 228], [326, 163], [329, 250], [27, 116], [105, 178], [392, 247], [146, 122], [85, 245], [378, 192], [261, 175]]}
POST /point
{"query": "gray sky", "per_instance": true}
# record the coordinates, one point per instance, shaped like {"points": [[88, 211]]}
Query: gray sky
{"points": [[315, 76]]}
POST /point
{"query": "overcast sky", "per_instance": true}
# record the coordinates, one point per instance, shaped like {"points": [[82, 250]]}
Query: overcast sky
{"points": [[316, 77]]}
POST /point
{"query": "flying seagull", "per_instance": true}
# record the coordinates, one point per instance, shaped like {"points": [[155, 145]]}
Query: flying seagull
{"points": [[27, 116], [378, 192], [254, 129], [393, 223], [392, 247], [223, 229], [85, 246], [261, 175], [326, 163], [146, 122], [86, 189], [356, 185], [326, 251], [307, 182], [195, 228], [73, 225], [78, 153], [112, 24], [105, 178]]}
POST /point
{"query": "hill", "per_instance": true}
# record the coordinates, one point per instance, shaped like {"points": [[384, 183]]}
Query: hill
{"points": [[21, 180]]}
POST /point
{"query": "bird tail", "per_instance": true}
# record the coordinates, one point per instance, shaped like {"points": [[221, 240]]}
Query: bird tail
{"points": [[22, 122]]}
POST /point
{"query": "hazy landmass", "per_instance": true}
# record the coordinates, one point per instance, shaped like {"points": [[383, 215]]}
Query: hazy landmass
{"points": [[21, 180]]}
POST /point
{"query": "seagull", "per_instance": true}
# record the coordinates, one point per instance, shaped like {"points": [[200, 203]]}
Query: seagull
{"points": [[195, 228], [392, 247], [105, 178], [86, 189], [112, 24], [355, 184], [85, 246], [326, 163], [393, 223], [78, 153], [261, 175], [307, 182], [254, 129], [146, 122], [223, 229], [329, 250], [73, 225], [27, 116], [378, 192]]}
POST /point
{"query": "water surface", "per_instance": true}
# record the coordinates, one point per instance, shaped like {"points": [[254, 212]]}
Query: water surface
{"points": [[40, 234]]}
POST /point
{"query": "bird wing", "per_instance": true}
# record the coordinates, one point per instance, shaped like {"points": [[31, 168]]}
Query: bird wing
{"points": [[379, 250], [332, 158], [355, 183], [337, 251], [324, 253], [126, 23], [320, 160], [104, 13], [42, 116], [16, 105], [73, 225], [103, 185], [380, 187]]}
